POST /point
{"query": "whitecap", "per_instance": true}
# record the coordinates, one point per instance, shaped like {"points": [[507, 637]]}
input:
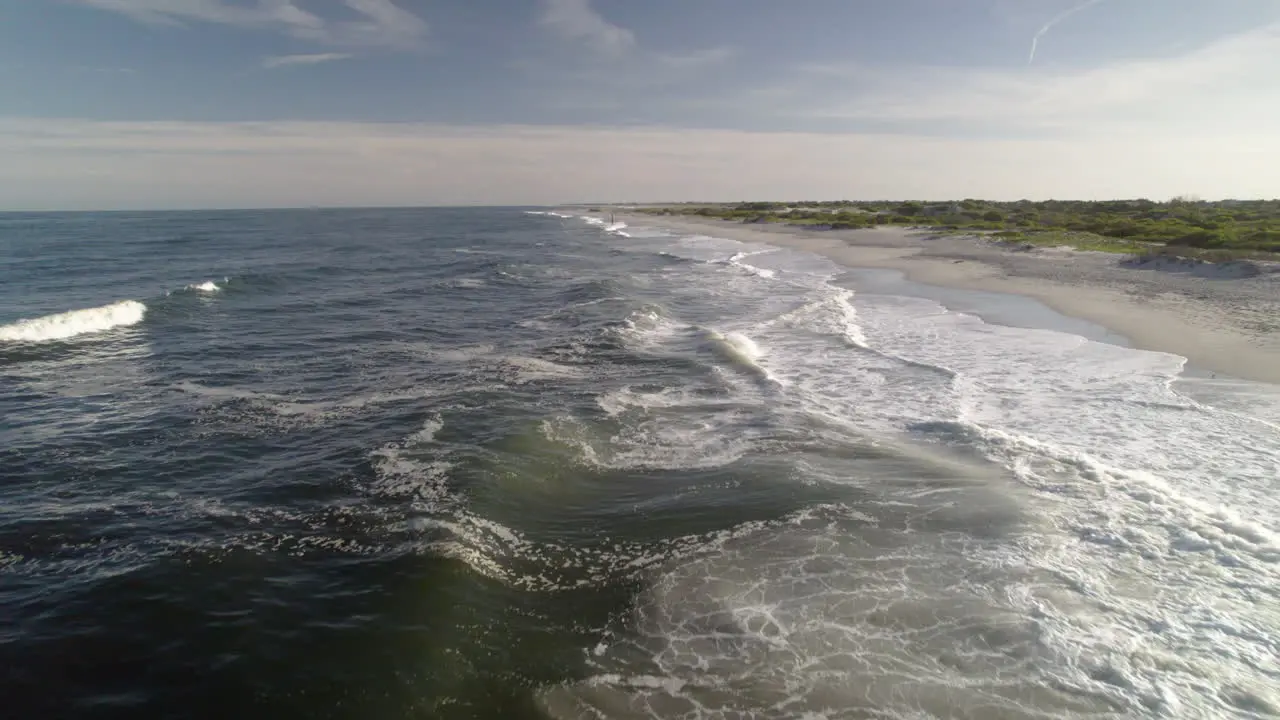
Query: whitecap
{"points": [[62, 326], [737, 258], [739, 350]]}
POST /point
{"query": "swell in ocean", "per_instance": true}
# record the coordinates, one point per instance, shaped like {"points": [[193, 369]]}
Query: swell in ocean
{"points": [[71, 324], [488, 463]]}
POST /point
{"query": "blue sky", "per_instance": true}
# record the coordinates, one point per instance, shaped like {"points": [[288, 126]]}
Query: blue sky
{"points": [[207, 103]]}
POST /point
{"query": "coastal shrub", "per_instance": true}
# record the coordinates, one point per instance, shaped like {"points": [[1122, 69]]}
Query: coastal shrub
{"points": [[1268, 240], [759, 206], [1182, 226], [1202, 239]]}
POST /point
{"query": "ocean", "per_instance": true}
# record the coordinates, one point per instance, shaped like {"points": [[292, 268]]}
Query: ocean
{"points": [[502, 463]]}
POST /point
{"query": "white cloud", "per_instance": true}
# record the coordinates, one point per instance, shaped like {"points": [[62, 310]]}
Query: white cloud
{"points": [[384, 24], [277, 61], [71, 164], [576, 20], [1220, 87]]}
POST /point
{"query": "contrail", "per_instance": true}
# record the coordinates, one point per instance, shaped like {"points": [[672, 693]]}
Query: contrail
{"points": [[1049, 25]]}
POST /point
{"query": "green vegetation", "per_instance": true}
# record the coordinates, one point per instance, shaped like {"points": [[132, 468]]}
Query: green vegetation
{"points": [[1183, 227]]}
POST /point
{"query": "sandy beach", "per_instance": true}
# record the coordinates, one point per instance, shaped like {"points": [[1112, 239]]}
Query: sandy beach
{"points": [[1223, 319]]}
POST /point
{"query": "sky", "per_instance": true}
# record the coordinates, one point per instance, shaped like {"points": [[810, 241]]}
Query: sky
{"points": [[158, 104]]}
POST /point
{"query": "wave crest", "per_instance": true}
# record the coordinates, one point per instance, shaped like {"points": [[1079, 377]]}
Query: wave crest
{"points": [[739, 350], [62, 326], [737, 258]]}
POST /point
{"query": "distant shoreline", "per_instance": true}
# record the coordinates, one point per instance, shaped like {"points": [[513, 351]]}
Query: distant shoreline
{"points": [[1228, 325], [1186, 228]]}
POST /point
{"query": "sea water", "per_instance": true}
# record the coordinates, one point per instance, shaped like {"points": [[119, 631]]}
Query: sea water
{"points": [[508, 463]]}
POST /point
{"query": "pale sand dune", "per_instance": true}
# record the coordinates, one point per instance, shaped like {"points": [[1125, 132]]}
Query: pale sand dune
{"points": [[1223, 325]]}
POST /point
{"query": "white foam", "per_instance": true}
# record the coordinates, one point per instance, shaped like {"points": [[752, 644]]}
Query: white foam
{"points": [[1162, 508], [530, 369], [208, 287], [739, 350], [1165, 507], [617, 402], [691, 433], [224, 393], [614, 228], [648, 328], [1156, 513], [1249, 401], [1154, 503], [742, 347], [800, 618], [274, 411], [411, 467], [502, 553], [71, 324], [831, 313], [736, 260]]}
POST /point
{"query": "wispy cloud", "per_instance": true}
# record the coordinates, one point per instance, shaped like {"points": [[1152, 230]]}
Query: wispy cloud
{"points": [[1217, 88], [383, 23], [1044, 29], [278, 61], [577, 21]]}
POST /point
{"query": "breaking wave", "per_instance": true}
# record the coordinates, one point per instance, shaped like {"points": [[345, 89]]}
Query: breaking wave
{"points": [[615, 228], [737, 258], [74, 323], [832, 313], [739, 350], [208, 287]]}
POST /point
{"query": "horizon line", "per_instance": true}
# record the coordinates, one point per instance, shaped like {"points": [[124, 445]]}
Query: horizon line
{"points": [[429, 206]]}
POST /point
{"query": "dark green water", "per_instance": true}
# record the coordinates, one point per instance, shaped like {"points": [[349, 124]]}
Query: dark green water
{"points": [[482, 463]]}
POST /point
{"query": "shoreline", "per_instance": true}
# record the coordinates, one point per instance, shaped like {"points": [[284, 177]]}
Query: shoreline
{"points": [[1222, 325]]}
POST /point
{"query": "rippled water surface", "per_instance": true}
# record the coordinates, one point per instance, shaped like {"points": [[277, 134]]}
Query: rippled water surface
{"points": [[491, 463]]}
